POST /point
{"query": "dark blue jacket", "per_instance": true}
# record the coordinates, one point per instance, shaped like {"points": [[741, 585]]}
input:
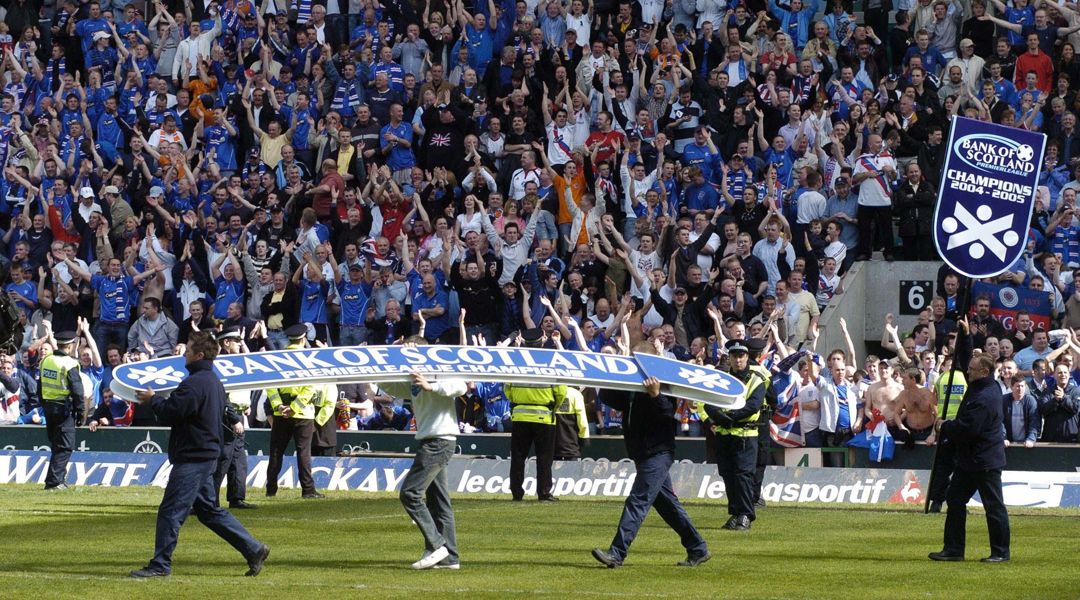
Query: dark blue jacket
{"points": [[1032, 421], [1060, 422], [194, 411], [977, 431], [648, 423]]}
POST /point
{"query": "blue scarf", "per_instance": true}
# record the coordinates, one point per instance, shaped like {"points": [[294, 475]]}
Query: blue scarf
{"points": [[346, 96], [303, 11]]}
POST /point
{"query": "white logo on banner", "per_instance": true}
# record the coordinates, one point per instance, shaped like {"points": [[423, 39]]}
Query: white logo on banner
{"points": [[980, 231], [162, 376], [705, 378]]}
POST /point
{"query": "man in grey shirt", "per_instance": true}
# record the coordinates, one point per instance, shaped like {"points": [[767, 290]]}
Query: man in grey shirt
{"points": [[411, 51], [944, 31]]}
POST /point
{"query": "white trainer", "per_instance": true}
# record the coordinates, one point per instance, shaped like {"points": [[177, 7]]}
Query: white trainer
{"points": [[430, 560]]}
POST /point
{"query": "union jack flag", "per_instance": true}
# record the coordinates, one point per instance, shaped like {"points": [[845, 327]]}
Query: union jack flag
{"points": [[785, 427], [440, 139]]}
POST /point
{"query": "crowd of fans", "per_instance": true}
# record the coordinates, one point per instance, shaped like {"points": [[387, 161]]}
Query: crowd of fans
{"points": [[608, 171]]}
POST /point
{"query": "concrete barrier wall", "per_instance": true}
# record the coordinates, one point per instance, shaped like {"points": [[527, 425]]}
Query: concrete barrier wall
{"points": [[872, 290]]}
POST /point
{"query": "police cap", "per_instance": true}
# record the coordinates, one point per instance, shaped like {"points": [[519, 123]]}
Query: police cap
{"points": [[755, 345], [66, 337], [229, 333], [736, 346], [297, 331], [532, 337]]}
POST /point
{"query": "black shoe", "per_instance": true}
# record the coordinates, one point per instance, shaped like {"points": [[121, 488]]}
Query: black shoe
{"points": [[242, 504], [255, 563], [935, 506], [147, 573], [693, 560], [56, 488], [889, 258], [737, 523], [313, 496], [517, 499], [945, 557], [759, 503], [606, 558], [271, 492], [548, 499], [995, 559]]}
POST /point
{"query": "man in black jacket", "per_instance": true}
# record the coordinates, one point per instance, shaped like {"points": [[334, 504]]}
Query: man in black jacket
{"points": [[649, 430], [979, 439], [194, 411]]}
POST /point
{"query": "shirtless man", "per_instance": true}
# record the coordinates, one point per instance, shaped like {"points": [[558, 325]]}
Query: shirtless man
{"points": [[916, 409], [882, 394]]}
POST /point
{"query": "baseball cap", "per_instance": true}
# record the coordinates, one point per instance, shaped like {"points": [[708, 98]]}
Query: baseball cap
{"points": [[111, 189], [86, 192], [157, 190]]}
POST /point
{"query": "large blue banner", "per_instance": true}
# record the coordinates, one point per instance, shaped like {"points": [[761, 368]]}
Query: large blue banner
{"points": [[987, 194], [375, 364]]}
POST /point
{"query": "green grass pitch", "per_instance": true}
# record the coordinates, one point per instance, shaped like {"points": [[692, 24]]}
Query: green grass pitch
{"points": [[82, 543]]}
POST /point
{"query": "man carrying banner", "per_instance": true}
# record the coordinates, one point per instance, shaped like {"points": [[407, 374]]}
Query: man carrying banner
{"points": [[425, 491], [737, 432], [194, 411], [294, 419], [979, 439], [649, 431]]}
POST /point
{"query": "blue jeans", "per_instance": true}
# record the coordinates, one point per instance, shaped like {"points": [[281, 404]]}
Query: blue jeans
{"points": [[111, 333], [191, 485], [277, 340], [353, 335], [425, 494], [652, 488]]}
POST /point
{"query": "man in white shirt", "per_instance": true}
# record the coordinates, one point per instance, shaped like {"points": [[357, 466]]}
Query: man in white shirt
{"points": [[874, 173], [768, 250], [425, 491]]}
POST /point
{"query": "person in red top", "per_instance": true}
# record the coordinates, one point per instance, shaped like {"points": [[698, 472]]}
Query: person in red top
{"points": [[608, 140], [330, 187], [1036, 61]]}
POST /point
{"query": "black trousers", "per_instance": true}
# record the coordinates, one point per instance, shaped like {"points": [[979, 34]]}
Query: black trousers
{"points": [[875, 228], [764, 456], [300, 432], [60, 427], [918, 248], [232, 464], [942, 470], [963, 486], [526, 436], [736, 459]]}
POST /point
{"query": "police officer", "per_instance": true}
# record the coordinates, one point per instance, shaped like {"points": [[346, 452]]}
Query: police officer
{"points": [[294, 419], [61, 388], [736, 437], [764, 440], [324, 440], [571, 426], [233, 460], [532, 410]]}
